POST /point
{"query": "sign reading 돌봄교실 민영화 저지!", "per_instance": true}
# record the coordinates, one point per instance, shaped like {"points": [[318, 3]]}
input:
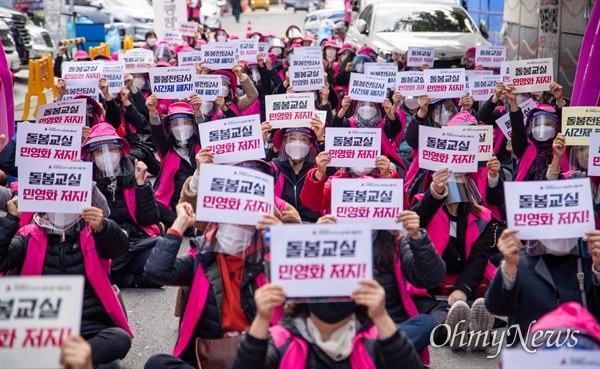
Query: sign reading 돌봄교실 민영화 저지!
{"points": [[137, 60], [290, 110], [419, 56], [439, 149], [578, 122], [490, 56], [353, 147], [48, 141], [186, 58], [233, 140], [445, 83], [531, 75], [410, 83], [504, 121], [82, 78], [63, 112]]}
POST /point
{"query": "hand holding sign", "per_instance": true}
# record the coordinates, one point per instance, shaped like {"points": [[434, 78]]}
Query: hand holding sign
{"points": [[327, 219], [151, 103], [323, 160], [493, 167], [372, 296], [318, 127], [467, 102], [411, 222], [266, 221], [13, 207], [103, 85], [509, 246], [509, 92], [498, 90], [196, 103], [556, 90], [76, 353], [559, 146], [266, 128], [423, 102], [94, 217], [439, 179], [383, 164], [61, 86], [266, 299], [204, 156]]}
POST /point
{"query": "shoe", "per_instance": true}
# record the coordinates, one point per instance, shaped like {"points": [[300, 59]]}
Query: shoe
{"points": [[482, 323], [458, 320]]}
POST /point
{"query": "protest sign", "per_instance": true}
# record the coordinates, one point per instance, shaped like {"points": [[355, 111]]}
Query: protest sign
{"points": [[38, 314], [486, 139], [549, 209], [531, 75], [169, 14], [490, 56], [440, 149], [172, 82], [367, 201], [63, 112], [263, 49], [322, 115], [385, 70], [578, 122], [505, 73], [233, 140], [219, 55], [188, 29], [504, 121], [290, 110], [187, 58], [419, 56], [472, 73], [48, 141], [307, 78], [137, 60], [308, 52], [444, 83], [207, 86], [114, 72], [320, 260], [353, 147], [82, 78], [73, 89], [482, 87], [248, 50], [565, 358], [367, 88], [593, 167], [410, 83], [171, 36], [306, 61], [228, 194]]}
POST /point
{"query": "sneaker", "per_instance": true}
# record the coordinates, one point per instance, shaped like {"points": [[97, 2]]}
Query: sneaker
{"points": [[458, 320], [482, 323]]}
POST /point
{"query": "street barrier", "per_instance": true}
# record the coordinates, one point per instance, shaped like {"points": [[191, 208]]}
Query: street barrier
{"points": [[128, 42], [41, 76], [103, 49]]}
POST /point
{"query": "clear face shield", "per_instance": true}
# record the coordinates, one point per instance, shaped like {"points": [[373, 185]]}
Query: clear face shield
{"points": [[543, 126], [163, 53], [462, 189], [181, 127], [106, 157], [578, 158], [367, 114], [90, 114], [221, 36], [241, 241], [297, 146], [443, 112]]}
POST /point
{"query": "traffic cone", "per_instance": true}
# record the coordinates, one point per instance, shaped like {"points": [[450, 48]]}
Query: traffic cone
{"points": [[249, 30]]}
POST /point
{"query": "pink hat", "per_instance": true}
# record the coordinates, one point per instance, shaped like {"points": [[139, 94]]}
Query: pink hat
{"points": [[163, 63], [346, 47], [570, 315], [308, 37], [179, 108], [278, 136], [183, 48], [104, 132], [463, 118], [115, 56], [81, 54], [233, 36], [331, 44], [230, 77]]}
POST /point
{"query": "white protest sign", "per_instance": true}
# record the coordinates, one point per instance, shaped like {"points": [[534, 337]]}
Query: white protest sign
{"points": [[578, 122], [367, 88], [410, 83], [353, 147], [308, 51], [169, 14], [306, 61], [219, 55], [373, 201], [248, 50], [233, 140], [172, 82], [505, 73], [45, 186], [504, 121], [63, 112], [490, 56], [593, 166], [137, 60], [486, 139], [228, 194], [171, 36], [385, 70], [419, 56], [444, 83], [290, 110], [207, 86], [307, 78], [73, 89], [471, 73], [322, 115], [531, 75], [48, 141], [549, 209], [482, 87], [320, 260], [188, 29], [440, 149], [82, 78], [517, 358], [187, 58], [114, 72], [263, 49], [38, 314]]}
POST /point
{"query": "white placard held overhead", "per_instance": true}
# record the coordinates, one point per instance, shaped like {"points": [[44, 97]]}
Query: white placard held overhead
{"points": [[188, 29], [169, 14], [445, 83], [171, 36], [307, 78], [114, 72], [48, 141], [482, 87], [63, 112], [219, 55], [353, 147], [137, 60], [263, 49], [290, 110], [186, 58], [504, 121], [490, 56], [486, 139], [234, 139], [207, 86], [367, 88], [248, 50], [385, 70], [410, 83], [531, 75], [172, 82], [419, 56], [439, 149]]}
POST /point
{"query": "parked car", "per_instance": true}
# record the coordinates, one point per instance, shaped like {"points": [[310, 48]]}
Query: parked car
{"points": [[10, 49], [312, 22], [288, 4], [16, 20], [260, 4], [301, 5], [42, 43], [445, 26]]}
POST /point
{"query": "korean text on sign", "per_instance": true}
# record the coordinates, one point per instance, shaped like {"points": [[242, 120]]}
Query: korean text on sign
{"points": [[482, 87], [248, 50], [410, 83], [228, 194], [321, 260], [485, 150], [504, 122], [54, 142], [137, 60], [578, 122], [440, 149], [45, 186], [385, 70], [207, 86], [549, 209], [307, 78], [444, 83], [234, 139], [63, 112], [219, 55], [593, 168], [187, 58], [531, 75], [374, 201], [188, 29], [367, 88], [490, 56], [290, 110], [353, 147], [419, 56], [114, 73], [172, 82], [37, 314]]}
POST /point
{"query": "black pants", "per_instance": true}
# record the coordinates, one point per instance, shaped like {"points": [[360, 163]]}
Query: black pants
{"points": [[167, 216], [165, 361], [109, 345]]}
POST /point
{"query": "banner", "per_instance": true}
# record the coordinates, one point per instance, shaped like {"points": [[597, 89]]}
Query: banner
{"points": [[504, 122], [385, 70], [63, 112], [482, 87], [188, 29], [376, 202], [187, 58], [207, 86], [367, 88], [307, 78], [320, 260], [169, 14], [114, 72], [233, 140], [445, 83], [410, 83], [531, 75], [172, 82], [290, 110], [353, 147], [550, 209], [578, 122], [593, 168], [45, 186], [43, 141], [38, 314], [439, 149], [137, 60], [248, 50], [485, 150], [490, 56], [228, 194], [419, 56], [219, 55], [549, 25]]}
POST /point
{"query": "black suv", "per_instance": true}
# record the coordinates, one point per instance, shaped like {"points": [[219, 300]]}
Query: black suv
{"points": [[16, 21]]}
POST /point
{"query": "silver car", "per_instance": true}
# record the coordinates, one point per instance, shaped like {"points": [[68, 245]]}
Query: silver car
{"points": [[42, 43], [10, 50], [445, 26]]}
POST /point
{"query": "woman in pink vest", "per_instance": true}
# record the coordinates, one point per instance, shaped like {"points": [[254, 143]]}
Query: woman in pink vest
{"points": [[74, 244], [233, 105]]}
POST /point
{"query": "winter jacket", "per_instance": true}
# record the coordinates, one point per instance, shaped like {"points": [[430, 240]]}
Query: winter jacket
{"points": [[292, 187], [7, 158]]}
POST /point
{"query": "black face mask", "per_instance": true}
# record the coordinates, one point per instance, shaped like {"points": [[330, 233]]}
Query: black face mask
{"points": [[332, 312]]}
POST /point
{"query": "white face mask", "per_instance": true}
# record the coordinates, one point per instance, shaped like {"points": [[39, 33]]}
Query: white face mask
{"points": [[221, 37], [224, 91], [107, 162], [446, 116], [62, 221], [360, 68], [207, 107], [366, 112], [296, 150], [139, 82], [330, 53], [276, 51], [543, 133], [411, 104], [151, 41], [559, 247], [234, 238], [182, 133], [360, 171]]}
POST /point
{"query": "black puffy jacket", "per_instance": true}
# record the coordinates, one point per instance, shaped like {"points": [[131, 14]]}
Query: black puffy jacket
{"points": [[292, 187]]}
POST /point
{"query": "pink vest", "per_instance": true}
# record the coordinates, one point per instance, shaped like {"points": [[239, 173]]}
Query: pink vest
{"points": [[169, 166], [129, 193], [481, 179], [253, 109], [96, 269], [525, 162]]}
